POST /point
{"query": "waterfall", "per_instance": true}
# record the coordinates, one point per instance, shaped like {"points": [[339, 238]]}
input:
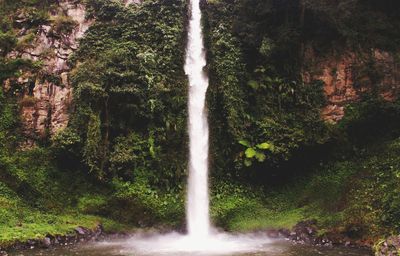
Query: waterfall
{"points": [[200, 238], [197, 208]]}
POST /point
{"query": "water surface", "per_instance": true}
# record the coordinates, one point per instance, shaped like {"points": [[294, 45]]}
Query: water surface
{"points": [[122, 248]]}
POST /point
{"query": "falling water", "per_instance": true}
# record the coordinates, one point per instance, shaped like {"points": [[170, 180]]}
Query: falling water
{"points": [[197, 209], [201, 238]]}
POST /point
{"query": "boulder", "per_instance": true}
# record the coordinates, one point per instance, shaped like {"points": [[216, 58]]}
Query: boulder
{"points": [[304, 232]]}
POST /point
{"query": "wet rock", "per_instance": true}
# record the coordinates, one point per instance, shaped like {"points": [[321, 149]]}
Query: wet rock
{"points": [[32, 242], [304, 232], [284, 232], [81, 231], [46, 242], [99, 230], [325, 241]]}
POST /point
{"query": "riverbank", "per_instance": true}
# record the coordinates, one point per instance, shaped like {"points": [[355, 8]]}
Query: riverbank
{"points": [[77, 235], [307, 233], [304, 233], [350, 202], [24, 226], [74, 236]]}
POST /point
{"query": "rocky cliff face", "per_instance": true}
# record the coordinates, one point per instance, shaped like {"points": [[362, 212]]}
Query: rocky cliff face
{"points": [[47, 94], [349, 75], [47, 97]]}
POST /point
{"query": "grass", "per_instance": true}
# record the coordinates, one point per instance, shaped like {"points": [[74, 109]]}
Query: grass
{"points": [[356, 195], [237, 208], [265, 219], [38, 200], [281, 209], [20, 222]]}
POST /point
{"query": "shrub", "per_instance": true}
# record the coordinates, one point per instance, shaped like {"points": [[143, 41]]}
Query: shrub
{"points": [[146, 205], [7, 42], [94, 204], [62, 25], [66, 141]]}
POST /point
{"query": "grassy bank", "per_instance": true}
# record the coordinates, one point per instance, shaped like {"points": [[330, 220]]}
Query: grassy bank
{"points": [[37, 199], [356, 197], [20, 223]]}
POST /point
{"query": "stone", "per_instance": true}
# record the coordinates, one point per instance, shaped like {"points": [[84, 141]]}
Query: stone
{"points": [[344, 83], [46, 242], [129, 2], [81, 231], [304, 232]]}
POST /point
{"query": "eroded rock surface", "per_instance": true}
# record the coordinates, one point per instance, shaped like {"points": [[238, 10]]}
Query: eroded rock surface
{"points": [[348, 76], [47, 96]]}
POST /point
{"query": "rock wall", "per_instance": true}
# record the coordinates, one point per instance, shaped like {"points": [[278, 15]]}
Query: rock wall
{"points": [[347, 76], [47, 94]]}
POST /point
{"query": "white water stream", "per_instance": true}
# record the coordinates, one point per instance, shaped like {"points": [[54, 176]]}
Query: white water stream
{"points": [[197, 208]]}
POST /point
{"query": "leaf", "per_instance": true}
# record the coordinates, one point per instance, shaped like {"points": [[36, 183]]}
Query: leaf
{"points": [[250, 152], [272, 148], [253, 84], [244, 143], [260, 156], [264, 145], [247, 162]]}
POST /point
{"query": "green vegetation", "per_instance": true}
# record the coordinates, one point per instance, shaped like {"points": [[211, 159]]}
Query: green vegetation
{"points": [[122, 160], [20, 223], [236, 207], [357, 196], [37, 199], [250, 100], [130, 107], [354, 191], [131, 100]]}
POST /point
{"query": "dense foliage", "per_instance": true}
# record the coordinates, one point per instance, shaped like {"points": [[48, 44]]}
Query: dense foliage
{"points": [[123, 155], [253, 102], [127, 131], [260, 53], [130, 100]]}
